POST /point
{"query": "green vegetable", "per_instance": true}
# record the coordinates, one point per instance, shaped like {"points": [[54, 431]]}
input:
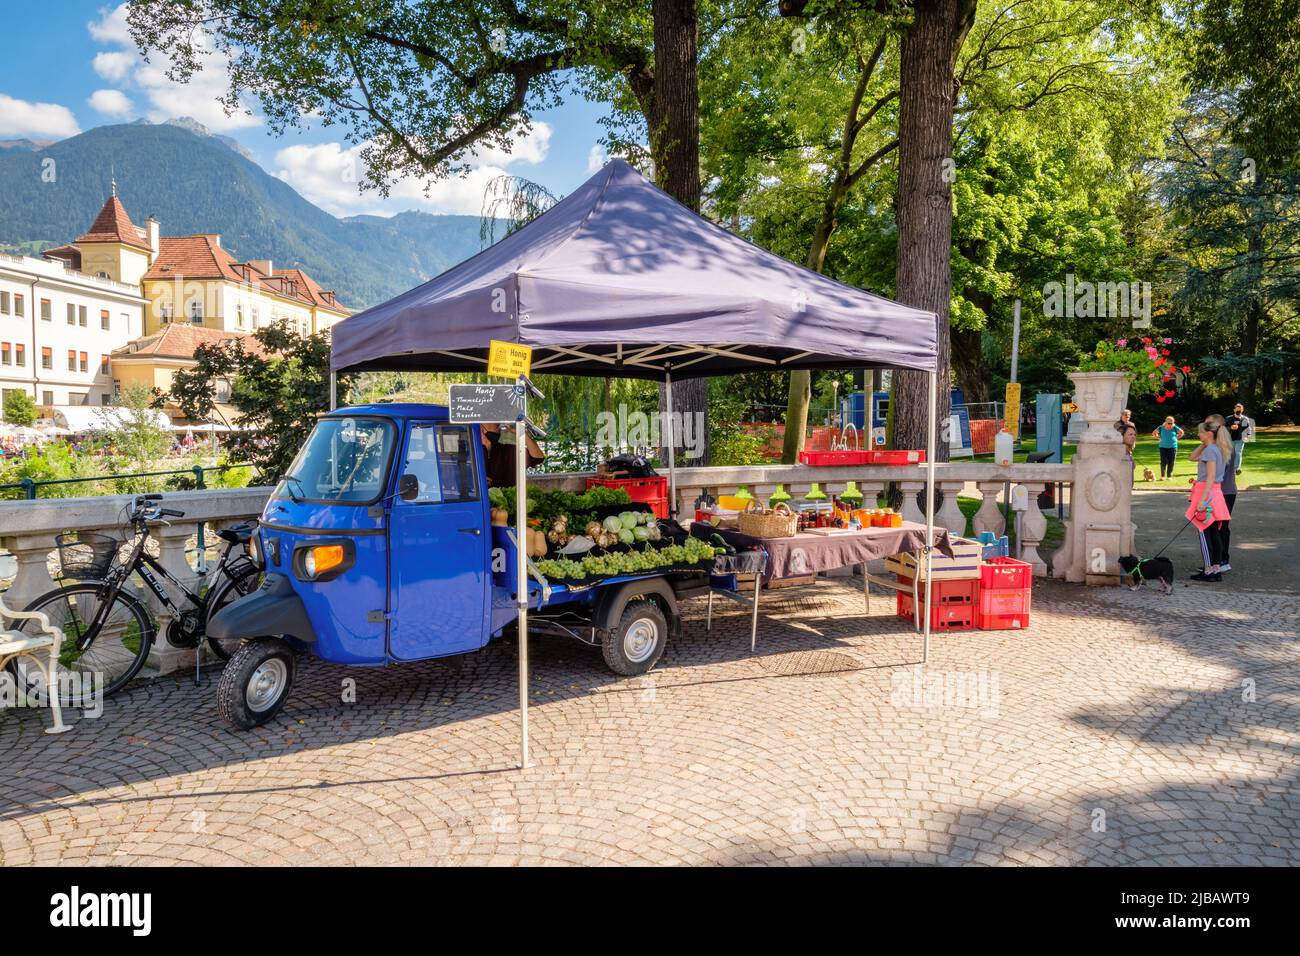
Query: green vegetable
{"points": [[641, 533], [626, 536], [628, 519], [612, 523], [693, 551]]}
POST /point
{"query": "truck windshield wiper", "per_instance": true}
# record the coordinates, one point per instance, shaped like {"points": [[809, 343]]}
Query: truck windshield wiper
{"points": [[292, 497]]}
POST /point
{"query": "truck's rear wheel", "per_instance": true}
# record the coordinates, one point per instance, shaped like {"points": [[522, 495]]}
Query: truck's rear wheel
{"points": [[637, 643], [256, 682]]}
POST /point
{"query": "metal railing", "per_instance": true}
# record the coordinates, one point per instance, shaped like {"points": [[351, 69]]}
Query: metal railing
{"points": [[31, 488]]}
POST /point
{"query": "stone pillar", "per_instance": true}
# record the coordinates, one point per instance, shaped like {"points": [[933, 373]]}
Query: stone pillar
{"points": [[32, 554], [1101, 497], [1031, 528], [989, 517]]}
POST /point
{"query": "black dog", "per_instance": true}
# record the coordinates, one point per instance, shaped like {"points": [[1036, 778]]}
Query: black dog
{"points": [[1138, 570]]}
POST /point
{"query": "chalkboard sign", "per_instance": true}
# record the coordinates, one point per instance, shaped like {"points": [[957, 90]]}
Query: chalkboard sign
{"points": [[471, 404]]}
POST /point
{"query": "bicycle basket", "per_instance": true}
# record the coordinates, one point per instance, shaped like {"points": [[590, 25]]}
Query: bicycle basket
{"points": [[86, 554]]}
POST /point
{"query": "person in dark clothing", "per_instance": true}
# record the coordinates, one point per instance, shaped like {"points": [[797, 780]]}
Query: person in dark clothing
{"points": [[500, 454], [1239, 427]]}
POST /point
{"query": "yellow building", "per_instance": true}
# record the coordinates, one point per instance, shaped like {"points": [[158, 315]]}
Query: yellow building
{"points": [[191, 279]]}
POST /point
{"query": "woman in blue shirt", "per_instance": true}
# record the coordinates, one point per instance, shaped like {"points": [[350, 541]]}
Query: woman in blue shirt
{"points": [[1168, 434]]}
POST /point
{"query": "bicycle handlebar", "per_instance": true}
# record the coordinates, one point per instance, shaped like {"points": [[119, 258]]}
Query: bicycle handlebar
{"points": [[171, 513]]}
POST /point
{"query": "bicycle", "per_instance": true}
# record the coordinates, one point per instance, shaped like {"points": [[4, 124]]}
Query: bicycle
{"points": [[107, 629]]}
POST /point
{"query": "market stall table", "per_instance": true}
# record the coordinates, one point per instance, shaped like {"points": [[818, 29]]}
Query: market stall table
{"points": [[810, 553]]}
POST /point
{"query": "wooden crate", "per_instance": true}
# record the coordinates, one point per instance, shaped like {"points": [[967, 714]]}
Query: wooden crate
{"points": [[745, 582], [965, 562]]}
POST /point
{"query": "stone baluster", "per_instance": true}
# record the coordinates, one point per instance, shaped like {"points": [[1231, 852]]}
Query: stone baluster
{"points": [[909, 508], [949, 513], [32, 554], [172, 541], [990, 517], [1031, 528]]}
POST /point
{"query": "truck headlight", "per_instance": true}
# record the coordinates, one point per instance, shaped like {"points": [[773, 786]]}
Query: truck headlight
{"points": [[323, 561]]}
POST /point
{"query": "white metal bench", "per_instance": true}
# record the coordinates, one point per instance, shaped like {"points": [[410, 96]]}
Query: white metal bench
{"points": [[42, 647]]}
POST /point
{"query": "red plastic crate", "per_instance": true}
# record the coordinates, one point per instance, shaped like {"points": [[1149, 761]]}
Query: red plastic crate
{"points": [[1002, 602], [1002, 573], [1003, 622], [823, 458], [954, 603], [652, 491], [894, 456]]}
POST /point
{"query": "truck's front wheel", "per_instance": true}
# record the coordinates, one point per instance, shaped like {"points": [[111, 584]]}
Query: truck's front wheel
{"points": [[256, 682], [637, 643]]}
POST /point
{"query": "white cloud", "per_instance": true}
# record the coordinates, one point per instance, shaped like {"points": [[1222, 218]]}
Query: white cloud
{"points": [[532, 148], [111, 103], [111, 26], [596, 158], [328, 175], [199, 98], [115, 65], [21, 118]]}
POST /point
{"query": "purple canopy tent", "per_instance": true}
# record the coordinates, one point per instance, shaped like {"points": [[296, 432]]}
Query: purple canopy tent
{"points": [[618, 279]]}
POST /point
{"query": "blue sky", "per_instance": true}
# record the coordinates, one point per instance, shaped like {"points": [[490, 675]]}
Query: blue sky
{"points": [[69, 67]]}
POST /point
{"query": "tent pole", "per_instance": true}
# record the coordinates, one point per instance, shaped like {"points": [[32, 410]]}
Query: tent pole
{"points": [[521, 575], [672, 440], [929, 509], [334, 390]]}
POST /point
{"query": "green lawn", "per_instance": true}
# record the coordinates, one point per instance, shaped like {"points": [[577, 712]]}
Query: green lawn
{"points": [[1271, 461]]}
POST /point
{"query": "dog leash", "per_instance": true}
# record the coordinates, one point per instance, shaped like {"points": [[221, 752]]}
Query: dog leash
{"points": [[1171, 541]]}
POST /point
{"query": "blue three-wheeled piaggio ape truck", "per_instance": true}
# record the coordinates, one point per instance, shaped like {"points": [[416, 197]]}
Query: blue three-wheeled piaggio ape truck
{"points": [[378, 549]]}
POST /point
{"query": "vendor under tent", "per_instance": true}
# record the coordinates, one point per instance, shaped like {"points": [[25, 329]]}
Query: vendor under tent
{"points": [[619, 279]]}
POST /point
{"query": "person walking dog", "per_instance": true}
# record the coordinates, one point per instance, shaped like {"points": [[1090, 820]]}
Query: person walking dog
{"points": [[1168, 435], [1207, 507], [1239, 426], [1229, 488]]}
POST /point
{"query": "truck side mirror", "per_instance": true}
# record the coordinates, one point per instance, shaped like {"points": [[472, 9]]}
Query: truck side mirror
{"points": [[408, 487]]}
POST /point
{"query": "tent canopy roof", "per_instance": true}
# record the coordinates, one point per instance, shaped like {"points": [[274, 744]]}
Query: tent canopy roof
{"points": [[619, 279]]}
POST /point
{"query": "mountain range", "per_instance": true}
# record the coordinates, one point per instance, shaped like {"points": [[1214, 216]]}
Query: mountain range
{"points": [[194, 182]]}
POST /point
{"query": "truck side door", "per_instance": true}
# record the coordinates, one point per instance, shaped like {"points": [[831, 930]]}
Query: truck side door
{"points": [[439, 543]]}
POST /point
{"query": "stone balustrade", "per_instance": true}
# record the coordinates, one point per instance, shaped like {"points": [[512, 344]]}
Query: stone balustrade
{"points": [[1098, 530]]}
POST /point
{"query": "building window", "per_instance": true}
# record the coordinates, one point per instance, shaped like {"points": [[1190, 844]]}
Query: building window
{"points": [[105, 398], [103, 319], [72, 313], [19, 308], [82, 359], [103, 365], [4, 303], [6, 357], [47, 398], [47, 359], [20, 355], [81, 316], [72, 360], [196, 313], [46, 313]]}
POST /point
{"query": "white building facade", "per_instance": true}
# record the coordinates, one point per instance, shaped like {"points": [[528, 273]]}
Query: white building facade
{"points": [[58, 329]]}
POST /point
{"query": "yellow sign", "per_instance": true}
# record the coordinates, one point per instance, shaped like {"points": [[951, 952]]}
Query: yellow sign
{"points": [[509, 360], [1011, 417], [1069, 408]]}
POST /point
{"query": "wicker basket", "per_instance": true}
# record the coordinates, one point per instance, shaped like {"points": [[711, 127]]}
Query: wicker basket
{"points": [[780, 522]]}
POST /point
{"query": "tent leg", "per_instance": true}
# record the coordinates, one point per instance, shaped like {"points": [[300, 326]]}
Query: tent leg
{"points": [[671, 441], [929, 510], [334, 390], [521, 581]]}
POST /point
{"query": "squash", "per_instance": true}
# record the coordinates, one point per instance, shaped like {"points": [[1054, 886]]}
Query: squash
{"points": [[500, 517], [536, 544]]}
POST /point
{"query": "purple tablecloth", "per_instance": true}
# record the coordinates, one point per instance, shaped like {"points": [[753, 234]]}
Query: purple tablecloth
{"points": [[810, 553]]}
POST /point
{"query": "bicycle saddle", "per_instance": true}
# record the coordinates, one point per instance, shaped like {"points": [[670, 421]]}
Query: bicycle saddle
{"points": [[240, 534]]}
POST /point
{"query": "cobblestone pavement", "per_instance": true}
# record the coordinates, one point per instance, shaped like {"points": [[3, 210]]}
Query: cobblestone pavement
{"points": [[1120, 728]]}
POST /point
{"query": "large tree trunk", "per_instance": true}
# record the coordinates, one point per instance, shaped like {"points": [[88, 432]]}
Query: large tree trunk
{"points": [[1246, 388], [968, 365], [924, 203], [673, 119]]}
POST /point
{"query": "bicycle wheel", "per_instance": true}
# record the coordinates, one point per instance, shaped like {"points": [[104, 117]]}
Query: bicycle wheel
{"points": [[113, 652], [245, 580]]}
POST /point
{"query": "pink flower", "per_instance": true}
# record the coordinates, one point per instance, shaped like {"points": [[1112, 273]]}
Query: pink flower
{"points": [[1122, 342], [1169, 341]]}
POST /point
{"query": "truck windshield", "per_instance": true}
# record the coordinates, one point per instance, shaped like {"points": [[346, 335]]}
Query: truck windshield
{"points": [[345, 461]]}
